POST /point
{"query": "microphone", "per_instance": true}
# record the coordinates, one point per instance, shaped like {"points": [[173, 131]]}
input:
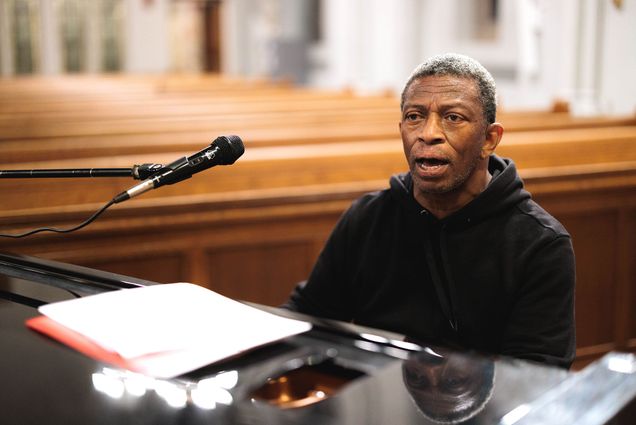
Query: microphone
{"points": [[224, 150]]}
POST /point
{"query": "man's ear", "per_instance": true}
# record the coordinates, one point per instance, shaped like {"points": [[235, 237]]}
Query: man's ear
{"points": [[494, 132]]}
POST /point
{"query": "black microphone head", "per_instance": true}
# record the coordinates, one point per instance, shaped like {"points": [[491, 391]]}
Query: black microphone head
{"points": [[230, 149]]}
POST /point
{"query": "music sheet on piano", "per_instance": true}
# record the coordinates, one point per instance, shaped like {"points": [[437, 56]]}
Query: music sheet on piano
{"points": [[169, 329]]}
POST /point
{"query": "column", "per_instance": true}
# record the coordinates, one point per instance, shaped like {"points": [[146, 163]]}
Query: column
{"points": [[146, 40], [6, 49]]}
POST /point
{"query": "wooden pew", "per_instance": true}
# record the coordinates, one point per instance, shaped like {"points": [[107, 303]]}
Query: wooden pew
{"points": [[163, 136], [302, 164], [78, 87], [293, 117], [255, 101], [283, 110], [68, 109]]}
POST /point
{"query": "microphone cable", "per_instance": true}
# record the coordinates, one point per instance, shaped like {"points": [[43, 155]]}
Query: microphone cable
{"points": [[85, 223]]}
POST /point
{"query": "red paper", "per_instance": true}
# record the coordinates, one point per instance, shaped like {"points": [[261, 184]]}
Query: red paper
{"points": [[76, 341]]}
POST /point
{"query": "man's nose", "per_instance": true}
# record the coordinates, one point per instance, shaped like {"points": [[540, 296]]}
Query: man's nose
{"points": [[434, 375], [431, 131]]}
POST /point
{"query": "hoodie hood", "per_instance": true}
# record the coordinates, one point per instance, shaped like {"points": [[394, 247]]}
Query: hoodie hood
{"points": [[505, 186]]}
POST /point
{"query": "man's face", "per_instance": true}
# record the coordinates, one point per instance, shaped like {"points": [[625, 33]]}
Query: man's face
{"points": [[449, 388], [443, 132]]}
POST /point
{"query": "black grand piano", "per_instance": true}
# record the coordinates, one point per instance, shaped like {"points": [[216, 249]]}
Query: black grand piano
{"points": [[336, 373]]}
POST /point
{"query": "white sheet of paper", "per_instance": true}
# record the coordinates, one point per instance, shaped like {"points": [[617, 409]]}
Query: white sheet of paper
{"points": [[187, 325]]}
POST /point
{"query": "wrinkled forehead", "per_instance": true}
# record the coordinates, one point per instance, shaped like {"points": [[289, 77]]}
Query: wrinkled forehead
{"points": [[447, 88]]}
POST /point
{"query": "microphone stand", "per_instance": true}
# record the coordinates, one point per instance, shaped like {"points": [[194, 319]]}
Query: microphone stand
{"points": [[138, 172]]}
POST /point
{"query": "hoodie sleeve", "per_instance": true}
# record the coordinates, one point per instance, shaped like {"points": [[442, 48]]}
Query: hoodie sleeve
{"points": [[541, 325], [326, 293]]}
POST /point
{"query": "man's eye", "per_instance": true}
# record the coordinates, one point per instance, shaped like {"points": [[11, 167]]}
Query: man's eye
{"points": [[412, 116], [455, 384], [453, 117], [417, 380]]}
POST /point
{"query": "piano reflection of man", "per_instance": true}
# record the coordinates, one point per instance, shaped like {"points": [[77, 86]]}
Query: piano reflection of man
{"points": [[448, 387]]}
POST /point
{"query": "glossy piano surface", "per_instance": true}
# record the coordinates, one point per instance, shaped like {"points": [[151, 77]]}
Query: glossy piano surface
{"points": [[334, 374]]}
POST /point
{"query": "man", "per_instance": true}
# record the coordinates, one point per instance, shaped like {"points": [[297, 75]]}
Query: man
{"points": [[455, 251]]}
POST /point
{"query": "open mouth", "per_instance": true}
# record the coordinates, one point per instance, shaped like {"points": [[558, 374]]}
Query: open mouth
{"points": [[431, 166], [431, 162]]}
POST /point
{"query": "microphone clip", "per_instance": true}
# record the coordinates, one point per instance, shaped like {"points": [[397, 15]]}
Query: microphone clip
{"points": [[145, 171]]}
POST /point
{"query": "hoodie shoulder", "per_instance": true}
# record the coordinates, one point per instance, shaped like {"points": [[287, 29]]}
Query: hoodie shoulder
{"points": [[542, 218], [511, 186]]}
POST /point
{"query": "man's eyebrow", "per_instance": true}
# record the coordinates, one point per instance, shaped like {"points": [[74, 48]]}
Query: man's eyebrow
{"points": [[417, 106], [453, 104], [443, 104]]}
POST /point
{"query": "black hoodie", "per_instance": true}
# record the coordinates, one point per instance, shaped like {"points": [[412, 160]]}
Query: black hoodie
{"points": [[496, 276]]}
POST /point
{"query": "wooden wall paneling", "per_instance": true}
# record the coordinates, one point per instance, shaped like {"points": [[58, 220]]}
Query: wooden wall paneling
{"points": [[599, 211], [158, 268], [627, 273], [196, 271], [260, 273], [261, 261], [595, 241]]}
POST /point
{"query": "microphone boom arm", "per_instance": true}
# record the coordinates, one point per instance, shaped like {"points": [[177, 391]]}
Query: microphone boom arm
{"points": [[138, 172]]}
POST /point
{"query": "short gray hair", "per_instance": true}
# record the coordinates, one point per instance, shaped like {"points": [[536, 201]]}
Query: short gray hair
{"points": [[459, 66]]}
